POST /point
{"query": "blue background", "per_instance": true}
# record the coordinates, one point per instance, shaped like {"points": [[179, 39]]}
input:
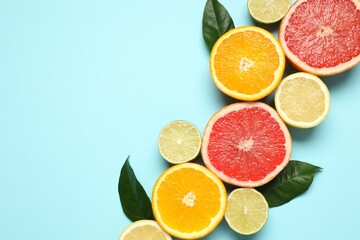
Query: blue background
{"points": [[84, 84]]}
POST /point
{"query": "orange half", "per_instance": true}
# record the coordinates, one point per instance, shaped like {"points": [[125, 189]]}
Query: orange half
{"points": [[247, 63], [189, 201]]}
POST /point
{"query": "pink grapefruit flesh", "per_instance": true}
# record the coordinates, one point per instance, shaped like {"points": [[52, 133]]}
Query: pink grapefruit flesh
{"points": [[246, 144], [322, 37]]}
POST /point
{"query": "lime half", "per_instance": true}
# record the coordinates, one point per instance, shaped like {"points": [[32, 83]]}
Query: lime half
{"points": [[268, 11], [179, 142], [247, 211]]}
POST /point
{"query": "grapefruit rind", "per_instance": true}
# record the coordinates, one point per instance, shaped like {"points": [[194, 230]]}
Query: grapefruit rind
{"points": [[300, 65], [303, 124], [235, 107], [215, 219], [277, 74]]}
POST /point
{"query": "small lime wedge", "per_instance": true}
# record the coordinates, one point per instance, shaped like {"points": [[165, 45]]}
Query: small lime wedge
{"points": [[268, 11], [179, 142], [247, 211]]}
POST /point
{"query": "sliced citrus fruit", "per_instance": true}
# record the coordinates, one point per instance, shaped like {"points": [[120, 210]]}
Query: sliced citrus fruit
{"points": [[247, 63], [179, 142], [247, 211], [144, 230], [268, 11], [322, 37], [189, 201], [246, 144], [302, 100]]}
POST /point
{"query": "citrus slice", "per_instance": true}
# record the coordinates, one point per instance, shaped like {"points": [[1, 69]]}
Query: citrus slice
{"points": [[144, 230], [302, 100], [246, 144], [179, 142], [247, 63], [189, 201], [247, 211], [322, 37], [268, 11]]}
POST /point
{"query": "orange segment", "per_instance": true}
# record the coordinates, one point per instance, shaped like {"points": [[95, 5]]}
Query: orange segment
{"points": [[247, 63], [189, 201]]}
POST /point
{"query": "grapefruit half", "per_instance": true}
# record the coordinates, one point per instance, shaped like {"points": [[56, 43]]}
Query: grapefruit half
{"points": [[246, 144], [322, 37]]}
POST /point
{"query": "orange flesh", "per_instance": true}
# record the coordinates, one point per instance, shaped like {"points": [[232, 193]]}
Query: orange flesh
{"points": [[245, 62], [194, 188]]}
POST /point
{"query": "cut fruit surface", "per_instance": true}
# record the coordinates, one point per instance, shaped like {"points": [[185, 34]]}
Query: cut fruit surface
{"points": [[189, 201], [302, 100], [144, 230], [268, 11], [246, 144], [322, 37], [247, 63], [247, 211], [179, 142]]}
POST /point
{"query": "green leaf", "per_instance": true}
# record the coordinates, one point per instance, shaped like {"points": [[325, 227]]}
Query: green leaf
{"points": [[216, 22], [291, 182], [134, 201]]}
